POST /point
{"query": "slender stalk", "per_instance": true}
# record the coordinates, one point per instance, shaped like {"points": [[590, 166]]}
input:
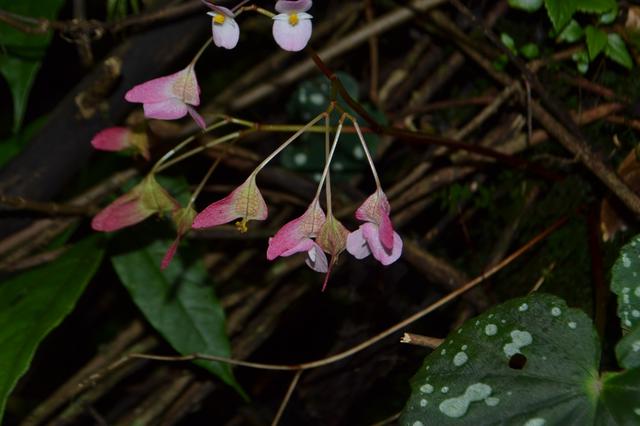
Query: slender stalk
{"points": [[156, 168], [287, 397], [203, 182], [194, 151], [366, 152], [200, 52], [288, 142]]}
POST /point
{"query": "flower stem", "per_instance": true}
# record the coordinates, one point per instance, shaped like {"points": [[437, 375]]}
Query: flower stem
{"points": [[325, 172], [194, 151], [156, 168], [200, 52], [288, 142], [366, 151]]}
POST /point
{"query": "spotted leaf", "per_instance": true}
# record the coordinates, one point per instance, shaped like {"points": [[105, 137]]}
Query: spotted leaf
{"points": [[531, 361], [625, 282]]}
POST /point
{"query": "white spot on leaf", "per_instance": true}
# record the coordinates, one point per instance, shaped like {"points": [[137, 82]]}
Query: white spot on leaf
{"points": [[572, 325], [458, 406], [519, 339], [427, 388], [555, 311], [490, 329], [523, 307], [459, 359], [535, 422]]}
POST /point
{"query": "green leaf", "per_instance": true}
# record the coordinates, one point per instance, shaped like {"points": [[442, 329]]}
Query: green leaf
{"points": [[621, 397], [617, 51], [35, 302], [595, 6], [12, 146], [21, 53], [560, 12], [596, 41], [582, 61], [508, 41], [609, 17], [527, 5], [529, 358], [530, 51], [625, 282], [571, 33], [628, 349], [179, 302]]}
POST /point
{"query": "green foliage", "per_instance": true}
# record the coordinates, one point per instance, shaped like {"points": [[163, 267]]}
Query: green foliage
{"points": [[21, 54], [118, 9], [528, 361], [625, 283], [596, 41], [617, 51], [628, 349], [179, 302], [571, 33], [35, 302], [561, 11], [528, 5]]}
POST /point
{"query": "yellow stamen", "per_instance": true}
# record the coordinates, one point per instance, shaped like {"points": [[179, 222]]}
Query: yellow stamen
{"points": [[219, 19], [293, 19], [242, 225]]}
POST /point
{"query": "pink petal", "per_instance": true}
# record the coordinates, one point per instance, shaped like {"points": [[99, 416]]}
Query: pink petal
{"points": [[170, 109], [374, 208], [156, 90], [126, 210], [244, 202], [292, 38], [357, 245], [112, 139], [384, 256], [171, 251], [197, 117], [304, 245], [385, 230], [283, 6], [182, 85], [305, 226], [316, 259], [226, 34]]}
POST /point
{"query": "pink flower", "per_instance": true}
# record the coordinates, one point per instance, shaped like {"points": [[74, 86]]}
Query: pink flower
{"points": [[170, 97], [296, 236], [144, 200], [292, 26], [119, 139], [183, 218], [244, 202], [224, 27], [376, 236]]}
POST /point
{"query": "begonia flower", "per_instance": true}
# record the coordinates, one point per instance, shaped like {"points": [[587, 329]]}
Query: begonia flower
{"points": [[143, 200], [296, 237], [224, 27], [292, 26], [376, 236], [170, 97], [183, 218], [332, 238], [119, 139], [245, 202]]}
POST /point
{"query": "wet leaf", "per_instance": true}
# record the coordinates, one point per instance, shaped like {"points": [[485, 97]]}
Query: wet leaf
{"points": [[625, 283]]}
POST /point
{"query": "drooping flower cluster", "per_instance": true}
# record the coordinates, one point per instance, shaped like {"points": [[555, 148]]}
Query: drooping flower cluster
{"points": [[321, 236], [292, 25]]}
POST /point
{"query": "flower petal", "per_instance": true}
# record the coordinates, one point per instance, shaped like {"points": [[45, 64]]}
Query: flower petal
{"points": [[316, 259], [227, 34], [384, 256], [197, 117], [357, 245], [171, 251], [244, 202], [304, 245], [170, 109], [284, 6], [156, 90], [292, 38], [112, 139], [126, 210], [305, 226]]}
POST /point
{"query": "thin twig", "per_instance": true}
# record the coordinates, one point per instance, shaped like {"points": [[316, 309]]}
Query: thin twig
{"points": [[419, 340], [285, 401]]}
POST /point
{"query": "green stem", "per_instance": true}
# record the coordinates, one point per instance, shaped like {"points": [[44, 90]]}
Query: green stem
{"points": [[367, 153], [157, 167], [230, 136]]}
